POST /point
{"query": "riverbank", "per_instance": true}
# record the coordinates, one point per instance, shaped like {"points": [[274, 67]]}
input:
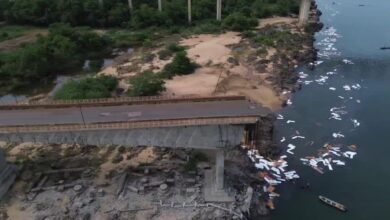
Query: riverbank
{"points": [[258, 64]]}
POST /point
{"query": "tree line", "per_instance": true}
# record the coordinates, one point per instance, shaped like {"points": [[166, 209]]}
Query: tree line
{"points": [[116, 13]]}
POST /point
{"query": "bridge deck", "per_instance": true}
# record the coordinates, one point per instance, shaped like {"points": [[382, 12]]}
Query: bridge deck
{"points": [[129, 113]]}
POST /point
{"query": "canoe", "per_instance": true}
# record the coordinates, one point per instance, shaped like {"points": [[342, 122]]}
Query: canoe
{"points": [[332, 203]]}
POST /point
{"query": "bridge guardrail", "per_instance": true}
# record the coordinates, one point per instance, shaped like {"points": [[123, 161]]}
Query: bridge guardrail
{"points": [[130, 124], [118, 101]]}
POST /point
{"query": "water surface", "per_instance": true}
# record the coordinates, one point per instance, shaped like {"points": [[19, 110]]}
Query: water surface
{"points": [[352, 33]]}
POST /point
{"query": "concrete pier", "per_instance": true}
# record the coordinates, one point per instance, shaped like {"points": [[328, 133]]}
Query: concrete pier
{"points": [[304, 12], [219, 10], [214, 190], [159, 5], [189, 11], [7, 175], [219, 170], [101, 3], [130, 4]]}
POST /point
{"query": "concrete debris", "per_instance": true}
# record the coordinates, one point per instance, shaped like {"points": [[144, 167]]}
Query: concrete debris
{"points": [[326, 157], [290, 148], [338, 135], [322, 80], [355, 122], [346, 87], [349, 154], [347, 61], [303, 75]]}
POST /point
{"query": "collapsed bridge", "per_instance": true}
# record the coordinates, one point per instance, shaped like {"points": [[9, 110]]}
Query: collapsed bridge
{"points": [[216, 123]]}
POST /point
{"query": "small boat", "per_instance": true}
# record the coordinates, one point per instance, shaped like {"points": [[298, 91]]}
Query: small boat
{"points": [[385, 48], [332, 203]]}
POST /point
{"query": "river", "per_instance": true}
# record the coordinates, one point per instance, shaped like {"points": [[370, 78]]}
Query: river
{"points": [[359, 84]]}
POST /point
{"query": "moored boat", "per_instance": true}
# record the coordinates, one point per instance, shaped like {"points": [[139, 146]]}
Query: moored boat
{"points": [[332, 203]]}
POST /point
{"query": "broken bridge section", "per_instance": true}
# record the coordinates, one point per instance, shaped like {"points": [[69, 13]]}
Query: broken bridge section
{"points": [[217, 123]]}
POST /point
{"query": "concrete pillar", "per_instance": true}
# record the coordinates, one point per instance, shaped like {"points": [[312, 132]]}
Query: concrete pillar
{"points": [[219, 10], [219, 170], [189, 11], [304, 11], [7, 174], [101, 3], [159, 5], [130, 5]]}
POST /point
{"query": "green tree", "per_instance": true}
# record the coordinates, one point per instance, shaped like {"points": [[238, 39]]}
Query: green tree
{"points": [[88, 88], [146, 84], [239, 22], [180, 65]]}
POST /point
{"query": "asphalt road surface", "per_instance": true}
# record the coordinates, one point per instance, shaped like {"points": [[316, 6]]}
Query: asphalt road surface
{"points": [[125, 113]]}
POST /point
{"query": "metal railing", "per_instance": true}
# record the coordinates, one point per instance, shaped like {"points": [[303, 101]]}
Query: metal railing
{"points": [[130, 124]]}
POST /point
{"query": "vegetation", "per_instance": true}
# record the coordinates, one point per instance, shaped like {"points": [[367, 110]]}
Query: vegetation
{"points": [[239, 22], [195, 158], [67, 45], [146, 84], [87, 88], [170, 49], [61, 51], [12, 31], [180, 65], [272, 37], [116, 12]]}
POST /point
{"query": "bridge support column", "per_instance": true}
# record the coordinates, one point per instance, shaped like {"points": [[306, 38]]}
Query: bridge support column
{"points": [[219, 170], [304, 11], [130, 4], [189, 11], [219, 10], [214, 190], [159, 5], [7, 175]]}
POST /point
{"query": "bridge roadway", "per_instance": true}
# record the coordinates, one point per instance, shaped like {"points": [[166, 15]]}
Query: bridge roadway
{"points": [[129, 113]]}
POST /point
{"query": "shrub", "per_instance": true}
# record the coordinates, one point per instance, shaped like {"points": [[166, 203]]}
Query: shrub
{"points": [[146, 84], [164, 54], [239, 22], [170, 49], [87, 88], [180, 65], [195, 157], [174, 48], [265, 40]]}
